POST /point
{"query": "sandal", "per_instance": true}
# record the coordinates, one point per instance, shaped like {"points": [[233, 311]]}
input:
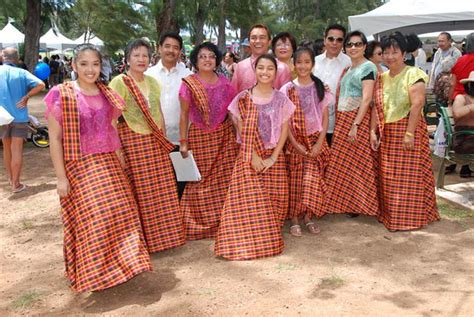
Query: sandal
{"points": [[19, 189], [295, 230], [313, 228]]}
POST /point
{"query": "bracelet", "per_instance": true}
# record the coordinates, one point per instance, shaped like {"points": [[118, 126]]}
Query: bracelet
{"points": [[409, 134], [183, 140]]}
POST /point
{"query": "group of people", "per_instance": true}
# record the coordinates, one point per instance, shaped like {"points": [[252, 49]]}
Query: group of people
{"points": [[296, 138]]}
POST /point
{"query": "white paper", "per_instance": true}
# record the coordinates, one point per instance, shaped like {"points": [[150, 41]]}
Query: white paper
{"points": [[5, 116], [185, 168]]}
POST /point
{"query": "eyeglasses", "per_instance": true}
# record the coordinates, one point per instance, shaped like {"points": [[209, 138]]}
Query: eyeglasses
{"points": [[207, 57], [335, 39], [283, 45], [354, 44]]}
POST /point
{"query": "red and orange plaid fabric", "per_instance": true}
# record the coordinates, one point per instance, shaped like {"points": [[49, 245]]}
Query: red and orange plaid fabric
{"points": [[199, 96], [202, 202], [298, 124], [251, 221], [151, 174], [378, 103], [351, 177], [306, 180], [257, 203], [250, 138], [143, 104], [102, 232], [407, 186]]}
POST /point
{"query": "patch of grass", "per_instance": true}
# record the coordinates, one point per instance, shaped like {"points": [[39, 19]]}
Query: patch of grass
{"points": [[333, 282], [452, 211], [26, 224], [26, 300], [281, 267]]}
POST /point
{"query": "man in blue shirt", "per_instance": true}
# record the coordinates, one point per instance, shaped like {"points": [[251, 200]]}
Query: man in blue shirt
{"points": [[16, 87]]}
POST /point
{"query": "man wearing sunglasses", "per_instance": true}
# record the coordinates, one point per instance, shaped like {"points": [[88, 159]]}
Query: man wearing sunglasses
{"points": [[329, 66]]}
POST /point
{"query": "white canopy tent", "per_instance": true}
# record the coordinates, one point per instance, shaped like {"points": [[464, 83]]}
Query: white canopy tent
{"points": [[416, 16], [11, 36], [89, 37], [55, 40]]}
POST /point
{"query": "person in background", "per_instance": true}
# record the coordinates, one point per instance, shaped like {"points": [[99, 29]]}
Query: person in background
{"points": [[230, 61], [373, 53], [17, 86], [329, 67], [245, 51], [318, 47], [283, 46], [461, 70], [444, 58], [244, 74]]}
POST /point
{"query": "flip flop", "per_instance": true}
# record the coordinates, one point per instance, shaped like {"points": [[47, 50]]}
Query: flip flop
{"points": [[19, 189], [312, 227], [295, 230]]}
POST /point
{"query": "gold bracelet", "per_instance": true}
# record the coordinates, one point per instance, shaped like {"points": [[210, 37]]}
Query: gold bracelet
{"points": [[409, 134]]}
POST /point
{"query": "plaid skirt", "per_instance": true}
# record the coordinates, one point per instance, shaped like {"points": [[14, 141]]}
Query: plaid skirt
{"points": [[202, 202], [407, 185], [103, 241], [306, 180], [351, 178], [151, 174], [254, 210]]}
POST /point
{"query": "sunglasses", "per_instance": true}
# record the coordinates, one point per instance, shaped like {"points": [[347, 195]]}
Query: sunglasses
{"points": [[335, 39], [354, 44]]}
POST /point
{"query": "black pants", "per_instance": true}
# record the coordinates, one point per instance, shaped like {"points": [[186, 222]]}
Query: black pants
{"points": [[180, 185], [329, 138]]}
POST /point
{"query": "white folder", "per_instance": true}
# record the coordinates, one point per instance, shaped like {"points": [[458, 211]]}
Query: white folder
{"points": [[185, 168]]}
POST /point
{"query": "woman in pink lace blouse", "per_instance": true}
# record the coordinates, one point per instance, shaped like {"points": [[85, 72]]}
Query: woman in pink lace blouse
{"points": [[204, 99], [102, 231], [257, 201]]}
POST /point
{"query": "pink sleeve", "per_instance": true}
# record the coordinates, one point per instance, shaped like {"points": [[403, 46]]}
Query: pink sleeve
{"points": [[117, 112], [53, 105], [283, 76], [328, 99], [288, 107], [235, 78], [231, 92], [234, 105], [185, 93], [284, 88]]}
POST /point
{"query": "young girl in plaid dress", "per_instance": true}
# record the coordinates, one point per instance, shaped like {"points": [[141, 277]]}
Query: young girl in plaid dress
{"points": [[257, 201], [103, 241]]}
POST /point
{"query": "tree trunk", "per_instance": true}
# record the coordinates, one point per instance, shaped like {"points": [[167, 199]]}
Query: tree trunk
{"points": [[222, 19], [200, 18], [165, 20], [32, 33]]}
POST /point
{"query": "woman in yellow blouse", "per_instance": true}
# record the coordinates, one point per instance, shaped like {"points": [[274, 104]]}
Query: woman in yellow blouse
{"points": [[400, 135], [146, 151]]}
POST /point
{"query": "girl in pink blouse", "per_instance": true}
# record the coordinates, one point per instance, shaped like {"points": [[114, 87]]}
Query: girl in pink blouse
{"points": [[307, 151], [257, 200], [103, 241]]}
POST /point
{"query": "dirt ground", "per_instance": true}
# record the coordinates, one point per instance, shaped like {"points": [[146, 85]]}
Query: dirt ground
{"points": [[355, 267]]}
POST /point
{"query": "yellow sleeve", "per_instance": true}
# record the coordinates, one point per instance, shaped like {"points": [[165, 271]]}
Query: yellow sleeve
{"points": [[414, 74], [118, 85]]}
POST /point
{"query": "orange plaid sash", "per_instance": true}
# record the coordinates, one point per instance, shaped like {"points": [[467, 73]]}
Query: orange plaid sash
{"points": [[338, 90], [71, 125], [199, 96], [250, 136], [143, 104], [298, 122], [378, 102]]}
